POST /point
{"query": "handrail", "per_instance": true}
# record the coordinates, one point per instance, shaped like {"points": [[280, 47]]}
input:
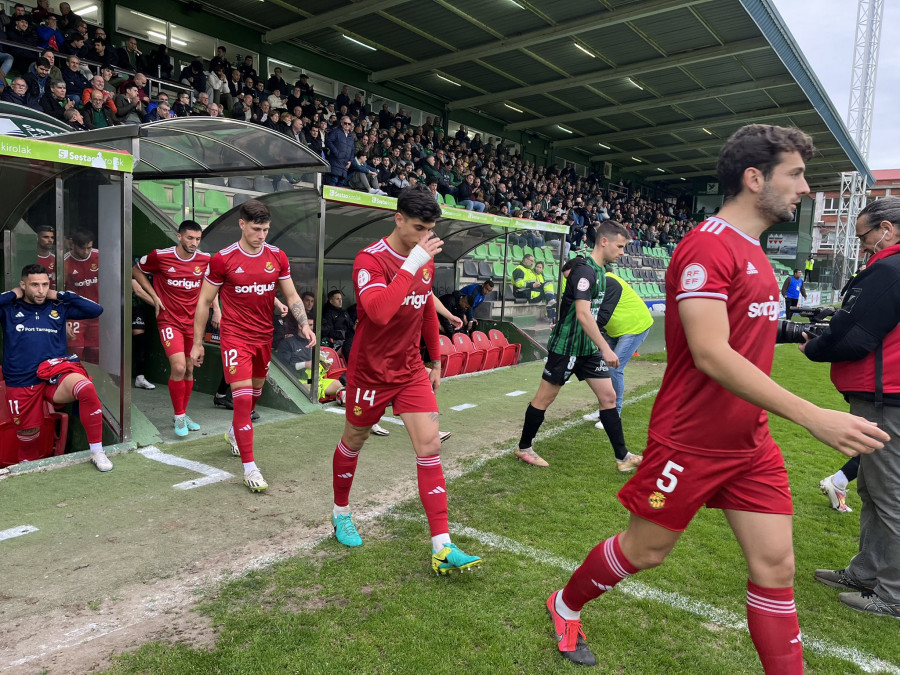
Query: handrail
{"points": [[169, 84]]}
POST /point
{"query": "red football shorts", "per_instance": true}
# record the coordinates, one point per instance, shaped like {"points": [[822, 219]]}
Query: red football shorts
{"points": [[26, 404], [670, 486], [366, 403], [241, 361], [81, 334], [175, 339]]}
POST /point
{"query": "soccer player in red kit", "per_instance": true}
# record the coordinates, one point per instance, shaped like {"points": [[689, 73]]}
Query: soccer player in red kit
{"points": [[177, 276], [246, 275], [82, 269], [720, 338], [392, 281], [46, 251]]}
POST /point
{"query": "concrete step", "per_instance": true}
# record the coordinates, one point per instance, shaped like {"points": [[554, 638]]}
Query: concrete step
{"points": [[540, 333]]}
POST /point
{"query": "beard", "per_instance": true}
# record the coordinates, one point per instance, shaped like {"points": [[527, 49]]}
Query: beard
{"points": [[772, 207]]}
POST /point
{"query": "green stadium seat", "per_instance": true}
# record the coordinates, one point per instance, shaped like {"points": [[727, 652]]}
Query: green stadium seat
{"points": [[494, 251], [497, 269], [538, 254], [440, 198], [217, 201], [449, 200], [517, 253], [480, 252], [510, 266]]}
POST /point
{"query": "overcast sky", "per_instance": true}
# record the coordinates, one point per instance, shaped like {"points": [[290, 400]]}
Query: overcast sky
{"points": [[825, 31]]}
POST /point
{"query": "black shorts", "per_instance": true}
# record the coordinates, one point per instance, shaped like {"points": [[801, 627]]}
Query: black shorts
{"points": [[138, 318], [560, 367]]}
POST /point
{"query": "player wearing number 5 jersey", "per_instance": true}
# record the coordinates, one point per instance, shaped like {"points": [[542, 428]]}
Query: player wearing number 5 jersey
{"points": [[178, 274], [246, 275], [392, 281], [709, 442]]}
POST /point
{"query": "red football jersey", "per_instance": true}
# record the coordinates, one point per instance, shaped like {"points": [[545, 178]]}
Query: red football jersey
{"points": [[83, 276], [389, 353], [692, 412], [177, 283], [49, 261], [247, 290]]}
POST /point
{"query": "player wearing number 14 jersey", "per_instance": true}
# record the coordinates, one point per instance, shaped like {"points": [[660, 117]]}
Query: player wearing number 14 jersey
{"points": [[392, 280], [177, 276], [709, 442], [245, 275]]}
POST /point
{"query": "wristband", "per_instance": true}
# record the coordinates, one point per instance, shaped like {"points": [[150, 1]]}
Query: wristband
{"points": [[416, 260]]}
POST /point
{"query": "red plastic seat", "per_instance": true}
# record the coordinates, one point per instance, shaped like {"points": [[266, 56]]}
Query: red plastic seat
{"points": [[452, 362], [511, 352], [475, 358], [52, 439], [337, 363], [493, 354]]}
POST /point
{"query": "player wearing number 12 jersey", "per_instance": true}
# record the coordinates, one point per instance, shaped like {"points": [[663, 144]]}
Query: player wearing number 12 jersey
{"points": [[178, 273], [709, 441], [393, 280], [245, 275]]}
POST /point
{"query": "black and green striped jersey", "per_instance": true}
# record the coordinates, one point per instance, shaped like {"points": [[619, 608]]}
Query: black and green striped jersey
{"points": [[587, 281]]}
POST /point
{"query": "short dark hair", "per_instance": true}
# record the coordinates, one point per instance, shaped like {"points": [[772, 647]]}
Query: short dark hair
{"points": [[254, 211], [307, 294], [418, 202], [610, 229], [42, 61], [797, 270], [191, 225], [488, 282], [34, 268], [45, 228], [759, 146], [333, 292], [82, 238]]}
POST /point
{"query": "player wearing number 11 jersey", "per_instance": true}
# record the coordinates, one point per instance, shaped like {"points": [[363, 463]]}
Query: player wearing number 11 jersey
{"points": [[245, 275], [709, 442], [177, 276], [393, 280]]}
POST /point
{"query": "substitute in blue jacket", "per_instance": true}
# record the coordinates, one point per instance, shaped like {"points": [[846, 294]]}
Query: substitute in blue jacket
{"points": [[35, 364], [477, 292]]}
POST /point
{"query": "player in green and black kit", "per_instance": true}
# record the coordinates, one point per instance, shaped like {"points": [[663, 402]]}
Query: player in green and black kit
{"points": [[577, 347]]}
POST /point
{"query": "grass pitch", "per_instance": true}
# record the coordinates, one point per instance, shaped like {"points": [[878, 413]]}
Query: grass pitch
{"points": [[380, 609]]}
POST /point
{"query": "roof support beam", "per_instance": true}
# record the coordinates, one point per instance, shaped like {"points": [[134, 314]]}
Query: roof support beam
{"points": [[712, 159], [817, 172], [326, 19], [631, 70], [630, 12], [647, 104], [698, 123]]}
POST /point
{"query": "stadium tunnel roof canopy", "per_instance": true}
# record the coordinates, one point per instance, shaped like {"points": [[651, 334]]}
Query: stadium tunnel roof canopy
{"points": [[654, 86], [194, 147]]}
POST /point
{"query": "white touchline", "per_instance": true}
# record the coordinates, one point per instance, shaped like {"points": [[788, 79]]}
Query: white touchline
{"points": [[210, 473], [463, 406], [14, 532], [518, 392]]}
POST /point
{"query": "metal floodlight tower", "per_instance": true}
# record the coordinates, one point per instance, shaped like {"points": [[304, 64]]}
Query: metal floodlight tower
{"points": [[859, 121]]}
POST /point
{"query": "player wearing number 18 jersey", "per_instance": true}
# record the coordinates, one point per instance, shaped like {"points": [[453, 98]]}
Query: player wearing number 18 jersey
{"points": [[178, 273], [393, 280], [709, 442], [245, 275]]}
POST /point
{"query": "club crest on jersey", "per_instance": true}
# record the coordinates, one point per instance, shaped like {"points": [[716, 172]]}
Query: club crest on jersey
{"points": [[198, 270], [168, 343], [426, 275], [232, 370], [357, 410], [16, 421], [270, 267], [94, 267], [54, 314], [657, 500]]}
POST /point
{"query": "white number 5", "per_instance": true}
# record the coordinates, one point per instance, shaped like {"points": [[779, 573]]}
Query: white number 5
{"points": [[668, 473]]}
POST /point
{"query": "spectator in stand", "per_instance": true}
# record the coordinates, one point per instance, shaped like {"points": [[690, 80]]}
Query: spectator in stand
{"points": [[201, 105], [159, 64], [182, 107], [276, 81], [217, 87], [362, 177], [97, 115], [100, 34], [17, 93], [339, 150], [104, 54], [74, 119], [337, 325], [261, 113], [76, 45], [76, 83], [23, 33], [194, 76], [220, 60], [55, 72], [98, 84], [130, 109], [465, 197], [132, 58], [214, 110], [247, 70], [243, 108], [54, 101], [162, 111], [40, 13], [67, 17], [38, 82], [314, 141], [49, 35], [276, 102], [139, 80], [306, 89]]}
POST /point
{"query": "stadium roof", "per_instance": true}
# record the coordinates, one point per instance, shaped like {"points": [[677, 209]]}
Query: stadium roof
{"points": [[654, 86]]}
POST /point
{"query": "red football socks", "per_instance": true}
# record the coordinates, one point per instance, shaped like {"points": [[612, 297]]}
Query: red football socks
{"points": [[243, 427], [343, 466], [604, 567], [772, 620], [256, 394], [176, 393], [90, 412], [188, 388], [433, 493]]}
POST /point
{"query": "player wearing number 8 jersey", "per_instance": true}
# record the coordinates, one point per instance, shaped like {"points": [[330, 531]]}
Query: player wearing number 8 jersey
{"points": [[709, 442], [177, 276], [393, 280], [245, 275]]}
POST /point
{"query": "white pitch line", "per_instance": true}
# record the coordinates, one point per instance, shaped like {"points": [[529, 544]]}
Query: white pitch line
{"points": [[14, 532], [866, 662], [210, 473], [518, 392], [463, 406], [386, 418]]}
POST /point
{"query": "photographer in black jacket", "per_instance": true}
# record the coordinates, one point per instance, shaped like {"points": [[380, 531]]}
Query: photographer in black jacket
{"points": [[863, 345]]}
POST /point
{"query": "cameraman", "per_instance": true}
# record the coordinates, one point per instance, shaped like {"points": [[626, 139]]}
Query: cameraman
{"points": [[863, 345]]}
